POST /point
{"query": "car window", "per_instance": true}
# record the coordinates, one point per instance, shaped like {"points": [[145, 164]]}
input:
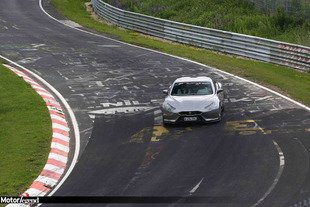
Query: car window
{"points": [[192, 89]]}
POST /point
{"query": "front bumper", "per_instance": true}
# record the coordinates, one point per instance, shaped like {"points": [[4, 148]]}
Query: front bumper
{"points": [[210, 116]]}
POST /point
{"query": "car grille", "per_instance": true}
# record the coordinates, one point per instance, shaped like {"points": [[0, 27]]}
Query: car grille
{"points": [[190, 113]]}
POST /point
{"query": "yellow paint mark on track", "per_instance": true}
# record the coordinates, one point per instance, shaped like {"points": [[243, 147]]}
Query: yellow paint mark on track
{"points": [[158, 131], [246, 127], [141, 136]]}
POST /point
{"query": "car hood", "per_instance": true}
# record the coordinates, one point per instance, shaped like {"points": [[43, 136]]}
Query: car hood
{"points": [[190, 103]]}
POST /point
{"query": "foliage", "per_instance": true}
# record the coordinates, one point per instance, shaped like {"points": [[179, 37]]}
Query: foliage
{"points": [[239, 16]]}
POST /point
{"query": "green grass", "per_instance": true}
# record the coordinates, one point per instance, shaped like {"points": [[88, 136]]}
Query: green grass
{"points": [[285, 80], [25, 133], [239, 16]]}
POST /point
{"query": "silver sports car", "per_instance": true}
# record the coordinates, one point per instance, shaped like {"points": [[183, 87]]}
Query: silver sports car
{"points": [[193, 99]]}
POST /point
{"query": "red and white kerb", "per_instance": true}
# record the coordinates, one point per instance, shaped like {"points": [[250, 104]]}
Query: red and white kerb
{"points": [[58, 156]]}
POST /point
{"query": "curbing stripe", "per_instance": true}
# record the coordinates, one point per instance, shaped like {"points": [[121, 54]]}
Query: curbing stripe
{"points": [[60, 131], [50, 101], [45, 94], [60, 152], [61, 127], [51, 104], [60, 147], [58, 118], [60, 136], [56, 121], [58, 156], [39, 88], [56, 113], [60, 142], [46, 180], [39, 186], [30, 81], [35, 192], [55, 169], [47, 97], [55, 162], [50, 174]]}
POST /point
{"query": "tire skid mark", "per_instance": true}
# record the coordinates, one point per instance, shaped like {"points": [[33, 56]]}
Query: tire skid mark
{"points": [[58, 156]]}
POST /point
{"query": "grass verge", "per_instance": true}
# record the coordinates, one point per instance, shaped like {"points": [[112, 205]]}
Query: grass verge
{"points": [[285, 80], [25, 133]]}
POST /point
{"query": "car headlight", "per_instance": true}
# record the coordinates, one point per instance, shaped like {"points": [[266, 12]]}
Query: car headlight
{"points": [[210, 106], [168, 107]]}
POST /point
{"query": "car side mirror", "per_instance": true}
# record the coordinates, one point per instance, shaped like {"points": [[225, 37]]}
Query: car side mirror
{"points": [[165, 92], [219, 87]]}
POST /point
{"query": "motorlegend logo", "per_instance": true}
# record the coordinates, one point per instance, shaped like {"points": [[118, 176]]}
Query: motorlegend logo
{"points": [[23, 200]]}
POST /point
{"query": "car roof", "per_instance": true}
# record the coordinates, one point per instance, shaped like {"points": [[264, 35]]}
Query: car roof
{"points": [[195, 79]]}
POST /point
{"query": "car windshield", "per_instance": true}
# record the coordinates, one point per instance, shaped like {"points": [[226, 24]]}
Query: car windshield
{"points": [[192, 89]]}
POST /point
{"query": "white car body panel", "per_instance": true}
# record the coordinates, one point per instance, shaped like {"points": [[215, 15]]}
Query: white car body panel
{"points": [[205, 107]]}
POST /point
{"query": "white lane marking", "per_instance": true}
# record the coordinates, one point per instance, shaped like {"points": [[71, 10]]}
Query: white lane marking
{"points": [[127, 102], [157, 112], [234, 100], [277, 178], [263, 98], [129, 109], [59, 126], [221, 75], [158, 119], [174, 56], [86, 130], [99, 83], [108, 45], [58, 157], [196, 187], [61, 136], [56, 169], [70, 23], [37, 45], [29, 60], [59, 146]]}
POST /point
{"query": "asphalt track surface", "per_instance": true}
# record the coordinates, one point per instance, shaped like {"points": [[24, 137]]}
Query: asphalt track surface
{"points": [[257, 155]]}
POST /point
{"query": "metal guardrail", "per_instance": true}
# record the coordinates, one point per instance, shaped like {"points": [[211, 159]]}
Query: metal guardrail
{"points": [[282, 53]]}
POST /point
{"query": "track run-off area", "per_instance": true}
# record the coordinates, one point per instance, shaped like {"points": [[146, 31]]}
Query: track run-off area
{"points": [[258, 155]]}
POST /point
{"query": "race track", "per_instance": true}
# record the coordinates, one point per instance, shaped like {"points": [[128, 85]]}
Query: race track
{"points": [[256, 156]]}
